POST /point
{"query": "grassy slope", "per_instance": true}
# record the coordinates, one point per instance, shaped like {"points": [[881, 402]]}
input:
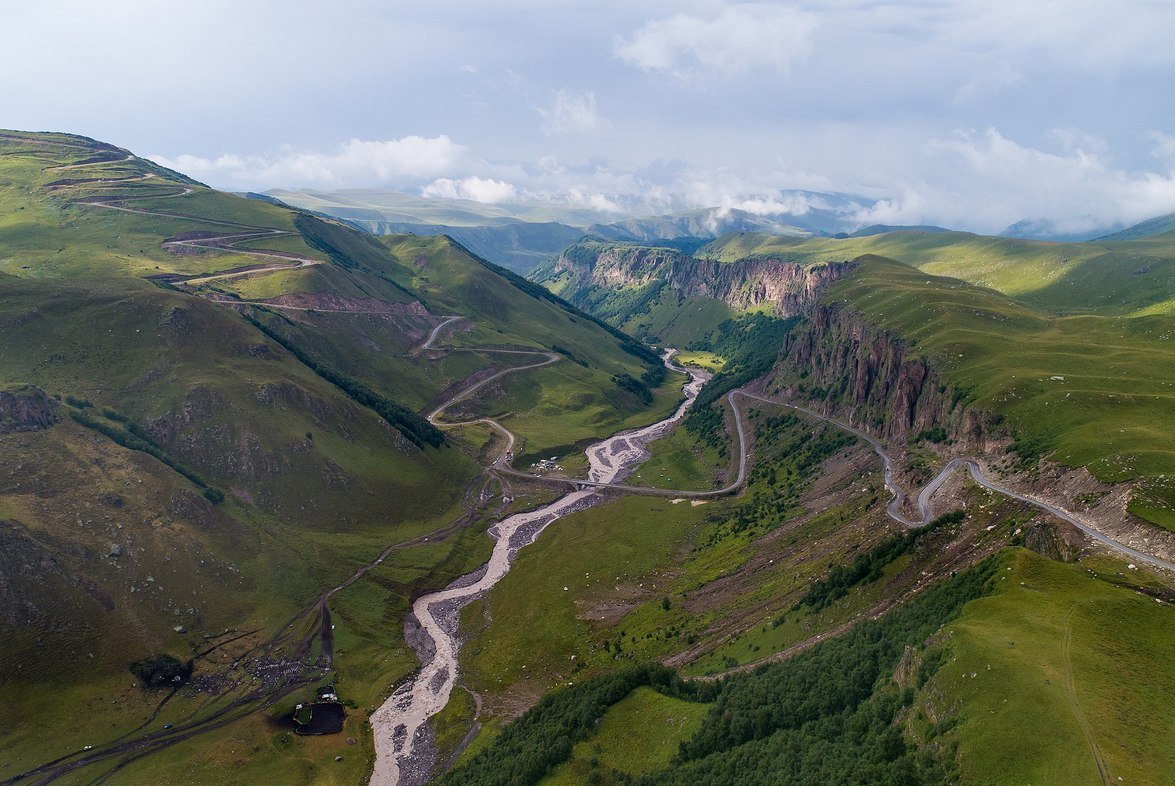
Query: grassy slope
{"points": [[552, 408], [1053, 664], [639, 734], [43, 235], [618, 562], [1110, 411], [1119, 278], [543, 625], [341, 497], [315, 485]]}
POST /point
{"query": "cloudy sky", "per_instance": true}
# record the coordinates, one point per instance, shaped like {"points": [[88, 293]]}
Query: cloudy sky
{"points": [[968, 113]]}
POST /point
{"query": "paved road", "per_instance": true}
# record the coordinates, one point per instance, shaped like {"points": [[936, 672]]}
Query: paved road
{"points": [[427, 345]]}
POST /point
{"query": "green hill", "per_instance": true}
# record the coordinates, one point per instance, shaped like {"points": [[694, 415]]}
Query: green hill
{"points": [[1092, 391], [1121, 278], [211, 406]]}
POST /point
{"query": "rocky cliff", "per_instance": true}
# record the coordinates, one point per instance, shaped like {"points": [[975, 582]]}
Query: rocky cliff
{"points": [[872, 379], [25, 408], [833, 357], [788, 287]]}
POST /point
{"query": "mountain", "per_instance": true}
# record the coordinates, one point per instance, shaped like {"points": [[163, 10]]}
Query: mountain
{"points": [[1057, 231], [803, 608], [1146, 229], [217, 473], [882, 229], [916, 528], [521, 236]]}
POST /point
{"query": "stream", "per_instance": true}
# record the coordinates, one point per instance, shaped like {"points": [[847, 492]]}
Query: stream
{"points": [[403, 742]]}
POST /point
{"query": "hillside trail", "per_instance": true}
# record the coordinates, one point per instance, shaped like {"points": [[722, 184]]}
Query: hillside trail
{"points": [[1103, 769], [229, 242]]}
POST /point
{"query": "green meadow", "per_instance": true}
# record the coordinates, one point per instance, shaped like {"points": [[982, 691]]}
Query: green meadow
{"points": [[1061, 666], [639, 734]]}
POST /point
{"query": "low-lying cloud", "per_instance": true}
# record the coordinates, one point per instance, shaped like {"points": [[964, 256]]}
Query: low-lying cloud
{"points": [[387, 162], [986, 182], [982, 181], [486, 190]]}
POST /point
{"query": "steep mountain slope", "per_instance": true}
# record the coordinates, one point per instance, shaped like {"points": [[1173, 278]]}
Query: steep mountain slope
{"points": [[663, 294], [1005, 358], [906, 354], [209, 418]]}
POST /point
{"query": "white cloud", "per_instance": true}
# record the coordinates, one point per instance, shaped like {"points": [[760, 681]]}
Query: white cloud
{"points": [[793, 205], [571, 112], [356, 161], [478, 189], [986, 181], [987, 84], [740, 38], [978, 180]]}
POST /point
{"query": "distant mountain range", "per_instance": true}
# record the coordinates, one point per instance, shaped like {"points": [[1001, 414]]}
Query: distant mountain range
{"points": [[1150, 228], [522, 236], [519, 236], [1057, 232]]}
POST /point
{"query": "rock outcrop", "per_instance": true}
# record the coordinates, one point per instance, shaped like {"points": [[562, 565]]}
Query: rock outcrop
{"points": [[750, 283], [874, 380], [25, 408], [833, 357]]}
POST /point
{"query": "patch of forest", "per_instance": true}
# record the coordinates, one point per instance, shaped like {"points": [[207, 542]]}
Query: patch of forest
{"points": [[830, 715], [750, 343], [415, 428]]}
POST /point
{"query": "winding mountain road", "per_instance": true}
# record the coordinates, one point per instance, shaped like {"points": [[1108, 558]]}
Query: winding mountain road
{"points": [[976, 470], [228, 242], [436, 331], [895, 505]]}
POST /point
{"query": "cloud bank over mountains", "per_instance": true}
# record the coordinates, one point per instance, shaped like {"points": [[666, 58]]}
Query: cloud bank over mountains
{"points": [[977, 180], [967, 113]]}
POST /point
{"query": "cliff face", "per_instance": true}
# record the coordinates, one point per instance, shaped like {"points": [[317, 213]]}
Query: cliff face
{"points": [[870, 378], [744, 284], [832, 358], [25, 408]]}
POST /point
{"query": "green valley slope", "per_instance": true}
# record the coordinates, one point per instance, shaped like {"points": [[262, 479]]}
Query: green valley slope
{"points": [[1068, 343], [210, 430]]}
